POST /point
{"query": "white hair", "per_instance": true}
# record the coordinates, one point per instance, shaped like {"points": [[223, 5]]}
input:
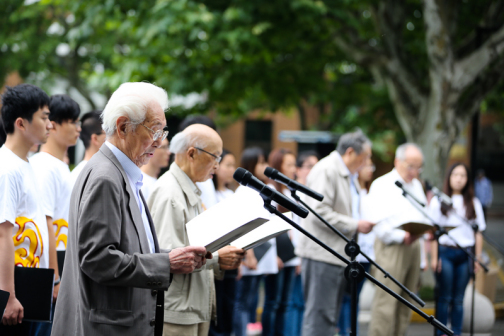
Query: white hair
{"points": [[401, 150], [181, 142], [132, 100]]}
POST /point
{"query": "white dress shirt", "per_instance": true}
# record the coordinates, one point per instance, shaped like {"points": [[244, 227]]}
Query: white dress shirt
{"points": [[394, 209], [135, 179]]}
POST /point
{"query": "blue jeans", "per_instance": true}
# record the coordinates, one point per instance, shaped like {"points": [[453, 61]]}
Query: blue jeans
{"points": [[282, 319], [452, 282], [24, 329], [295, 309], [225, 294], [273, 285], [345, 318], [246, 290]]}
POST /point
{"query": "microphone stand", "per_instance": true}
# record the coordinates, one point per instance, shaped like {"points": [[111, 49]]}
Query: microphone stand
{"points": [[332, 228], [438, 233], [355, 272]]}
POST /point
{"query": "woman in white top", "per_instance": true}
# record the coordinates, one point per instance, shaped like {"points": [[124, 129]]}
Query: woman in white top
{"points": [[278, 287], [252, 270], [453, 265], [293, 319], [225, 289]]}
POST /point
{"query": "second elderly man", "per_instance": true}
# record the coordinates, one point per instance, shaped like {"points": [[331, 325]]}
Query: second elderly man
{"points": [[175, 200]]}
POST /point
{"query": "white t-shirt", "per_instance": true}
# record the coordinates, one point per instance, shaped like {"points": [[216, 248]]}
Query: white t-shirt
{"points": [[53, 177], [208, 197], [463, 233], [222, 195], [148, 185], [20, 205], [76, 172]]}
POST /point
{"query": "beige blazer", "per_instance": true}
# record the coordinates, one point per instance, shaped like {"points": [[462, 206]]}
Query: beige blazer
{"points": [[331, 178], [174, 201], [111, 280]]}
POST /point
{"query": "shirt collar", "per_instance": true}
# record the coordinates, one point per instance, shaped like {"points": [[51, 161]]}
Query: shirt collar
{"points": [[398, 177], [339, 159], [188, 186], [131, 169]]}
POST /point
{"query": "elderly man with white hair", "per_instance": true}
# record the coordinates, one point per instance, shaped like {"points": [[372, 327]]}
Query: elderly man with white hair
{"points": [[174, 201], [396, 250], [115, 272]]}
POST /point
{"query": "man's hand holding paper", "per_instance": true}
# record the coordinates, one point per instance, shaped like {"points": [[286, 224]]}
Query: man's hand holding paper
{"points": [[185, 260]]}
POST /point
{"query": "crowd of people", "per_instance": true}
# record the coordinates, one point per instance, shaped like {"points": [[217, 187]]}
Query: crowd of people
{"points": [[120, 215]]}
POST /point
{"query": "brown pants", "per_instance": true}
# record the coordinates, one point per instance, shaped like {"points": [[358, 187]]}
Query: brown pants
{"points": [[198, 329], [390, 317]]}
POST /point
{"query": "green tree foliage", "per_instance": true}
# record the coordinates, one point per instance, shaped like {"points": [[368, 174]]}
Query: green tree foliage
{"points": [[366, 63]]}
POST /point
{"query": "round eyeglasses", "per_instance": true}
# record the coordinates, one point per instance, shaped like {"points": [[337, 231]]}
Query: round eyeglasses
{"points": [[158, 134]]}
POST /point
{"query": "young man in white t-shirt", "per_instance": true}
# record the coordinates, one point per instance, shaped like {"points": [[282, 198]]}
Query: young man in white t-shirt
{"points": [[93, 137], [53, 174], [24, 236]]}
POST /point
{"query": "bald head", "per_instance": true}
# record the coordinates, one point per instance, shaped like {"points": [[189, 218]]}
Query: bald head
{"points": [[198, 149], [409, 161]]}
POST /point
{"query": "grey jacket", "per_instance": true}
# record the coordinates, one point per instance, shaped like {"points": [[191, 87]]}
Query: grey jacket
{"points": [[331, 178], [110, 280]]}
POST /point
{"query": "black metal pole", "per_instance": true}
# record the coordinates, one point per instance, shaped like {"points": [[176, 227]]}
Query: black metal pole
{"points": [[437, 234], [385, 273], [354, 273], [430, 319]]}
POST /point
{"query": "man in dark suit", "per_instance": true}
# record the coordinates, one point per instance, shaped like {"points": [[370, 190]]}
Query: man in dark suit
{"points": [[115, 274]]}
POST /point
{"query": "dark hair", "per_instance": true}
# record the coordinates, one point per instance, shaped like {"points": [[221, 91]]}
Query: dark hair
{"points": [[304, 155], [215, 178], [275, 160], [250, 158], [91, 124], [196, 119], [21, 101], [467, 191], [3, 136], [63, 108]]}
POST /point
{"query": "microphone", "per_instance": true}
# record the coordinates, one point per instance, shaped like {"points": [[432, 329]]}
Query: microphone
{"points": [[406, 192], [443, 198], [275, 175], [245, 178]]}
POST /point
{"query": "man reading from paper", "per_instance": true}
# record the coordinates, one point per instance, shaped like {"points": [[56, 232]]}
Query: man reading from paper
{"points": [[396, 250], [174, 201], [115, 271]]}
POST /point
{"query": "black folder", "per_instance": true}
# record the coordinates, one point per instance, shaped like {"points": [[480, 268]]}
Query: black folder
{"points": [[34, 290], [260, 251], [285, 248], [61, 260], [4, 297]]}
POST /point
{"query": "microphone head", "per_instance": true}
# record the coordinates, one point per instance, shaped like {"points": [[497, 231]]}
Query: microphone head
{"points": [[270, 172], [242, 176], [399, 184]]}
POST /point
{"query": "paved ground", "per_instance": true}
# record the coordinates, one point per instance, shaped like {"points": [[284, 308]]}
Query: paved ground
{"points": [[425, 329]]}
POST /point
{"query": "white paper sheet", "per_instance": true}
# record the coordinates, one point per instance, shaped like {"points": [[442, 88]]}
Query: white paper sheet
{"points": [[227, 221], [273, 228]]}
